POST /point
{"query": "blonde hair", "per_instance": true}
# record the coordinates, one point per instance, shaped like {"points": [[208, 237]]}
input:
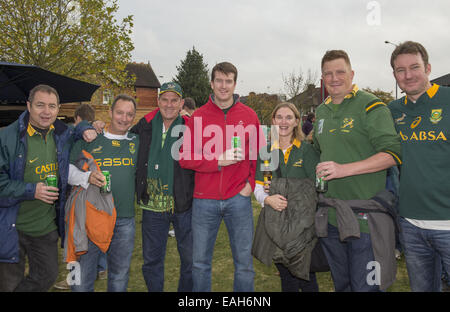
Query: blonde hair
{"points": [[298, 133]]}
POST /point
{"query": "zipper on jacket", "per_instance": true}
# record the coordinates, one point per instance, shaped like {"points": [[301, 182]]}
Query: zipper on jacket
{"points": [[23, 157], [222, 168]]}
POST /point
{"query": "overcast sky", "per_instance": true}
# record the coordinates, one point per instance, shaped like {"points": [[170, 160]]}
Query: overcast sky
{"points": [[266, 39]]}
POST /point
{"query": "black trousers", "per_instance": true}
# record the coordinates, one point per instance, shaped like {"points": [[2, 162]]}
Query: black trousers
{"points": [[42, 254], [291, 283]]}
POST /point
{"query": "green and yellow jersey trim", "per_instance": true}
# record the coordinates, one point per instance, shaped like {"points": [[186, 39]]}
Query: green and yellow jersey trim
{"points": [[276, 145], [431, 92], [352, 93], [373, 105], [31, 131], [395, 156]]}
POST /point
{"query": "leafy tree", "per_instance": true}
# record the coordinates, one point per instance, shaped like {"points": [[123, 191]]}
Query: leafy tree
{"points": [[77, 38], [263, 105], [386, 97], [193, 77]]}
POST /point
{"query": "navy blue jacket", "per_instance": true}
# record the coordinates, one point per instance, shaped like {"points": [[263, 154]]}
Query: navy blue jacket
{"points": [[13, 190]]}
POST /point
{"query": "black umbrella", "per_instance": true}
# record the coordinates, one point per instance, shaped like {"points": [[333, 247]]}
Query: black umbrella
{"points": [[16, 81]]}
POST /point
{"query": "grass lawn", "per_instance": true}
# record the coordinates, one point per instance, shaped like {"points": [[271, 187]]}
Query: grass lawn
{"points": [[266, 278]]}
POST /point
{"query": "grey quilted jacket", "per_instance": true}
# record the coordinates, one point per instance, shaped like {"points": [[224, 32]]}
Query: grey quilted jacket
{"points": [[382, 222], [90, 215], [288, 237]]}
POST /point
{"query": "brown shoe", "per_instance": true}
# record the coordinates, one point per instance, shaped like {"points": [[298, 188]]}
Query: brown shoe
{"points": [[62, 285], [102, 275]]}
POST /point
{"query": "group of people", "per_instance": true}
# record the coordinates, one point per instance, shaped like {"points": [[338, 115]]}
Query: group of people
{"points": [[195, 169]]}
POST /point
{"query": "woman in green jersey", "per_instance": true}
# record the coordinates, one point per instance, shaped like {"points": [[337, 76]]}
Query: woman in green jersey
{"points": [[297, 159]]}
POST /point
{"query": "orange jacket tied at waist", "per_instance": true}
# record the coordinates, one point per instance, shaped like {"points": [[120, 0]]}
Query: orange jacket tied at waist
{"points": [[90, 215]]}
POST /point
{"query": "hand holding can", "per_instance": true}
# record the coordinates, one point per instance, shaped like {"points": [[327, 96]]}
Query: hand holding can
{"points": [[106, 188], [51, 180], [47, 194], [321, 184]]}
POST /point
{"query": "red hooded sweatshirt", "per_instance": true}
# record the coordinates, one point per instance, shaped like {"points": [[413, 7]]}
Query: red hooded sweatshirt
{"points": [[209, 133]]}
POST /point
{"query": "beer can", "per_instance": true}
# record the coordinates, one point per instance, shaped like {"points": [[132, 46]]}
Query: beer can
{"points": [[321, 185], [107, 187], [235, 142], [51, 180]]}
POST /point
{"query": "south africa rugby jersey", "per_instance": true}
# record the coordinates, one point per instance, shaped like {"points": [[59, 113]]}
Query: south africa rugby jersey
{"points": [[299, 161], [354, 130], [36, 218], [424, 128], [117, 154]]}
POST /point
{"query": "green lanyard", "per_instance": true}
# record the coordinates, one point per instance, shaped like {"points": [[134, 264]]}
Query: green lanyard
{"points": [[164, 135]]}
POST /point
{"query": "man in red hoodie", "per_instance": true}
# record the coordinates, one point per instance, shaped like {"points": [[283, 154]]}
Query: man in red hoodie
{"points": [[224, 178]]}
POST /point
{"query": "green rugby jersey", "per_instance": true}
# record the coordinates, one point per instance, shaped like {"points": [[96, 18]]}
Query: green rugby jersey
{"points": [[358, 128], [424, 128], [118, 155], [299, 161], [36, 218]]}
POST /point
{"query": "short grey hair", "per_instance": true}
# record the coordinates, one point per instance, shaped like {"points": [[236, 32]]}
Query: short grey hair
{"points": [[123, 97], [43, 88]]}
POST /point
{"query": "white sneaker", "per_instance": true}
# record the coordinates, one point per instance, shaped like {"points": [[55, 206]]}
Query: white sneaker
{"points": [[172, 233]]}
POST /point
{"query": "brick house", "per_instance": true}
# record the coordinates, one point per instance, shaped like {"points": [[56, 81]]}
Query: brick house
{"points": [[145, 91], [146, 85], [308, 100]]}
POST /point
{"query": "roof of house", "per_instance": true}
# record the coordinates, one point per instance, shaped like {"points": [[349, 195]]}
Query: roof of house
{"points": [[443, 80], [145, 76], [308, 95]]}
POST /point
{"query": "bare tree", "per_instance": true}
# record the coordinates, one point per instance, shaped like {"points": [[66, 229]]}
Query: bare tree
{"points": [[298, 83], [293, 83], [311, 79]]}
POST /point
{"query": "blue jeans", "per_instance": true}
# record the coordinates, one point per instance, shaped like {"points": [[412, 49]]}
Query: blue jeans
{"points": [[348, 261], [118, 259], [155, 228], [426, 251], [102, 263], [207, 215]]}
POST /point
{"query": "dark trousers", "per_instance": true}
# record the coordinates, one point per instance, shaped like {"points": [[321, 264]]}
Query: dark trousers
{"points": [[42, 253], [155, 228], [291, 283], [349, 261]]}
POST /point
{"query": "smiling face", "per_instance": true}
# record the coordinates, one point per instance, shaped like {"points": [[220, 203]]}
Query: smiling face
{"points": [[285, 119], [337, 76], [223, 87], [170, 105], [412, 74], [44, 109], [122, 117]]}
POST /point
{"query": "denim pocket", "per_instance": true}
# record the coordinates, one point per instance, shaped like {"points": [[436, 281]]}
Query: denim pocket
{"points": [[244, 196]]}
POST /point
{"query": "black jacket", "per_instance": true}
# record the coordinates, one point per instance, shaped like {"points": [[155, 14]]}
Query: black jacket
{"points": [[183, 181]]}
